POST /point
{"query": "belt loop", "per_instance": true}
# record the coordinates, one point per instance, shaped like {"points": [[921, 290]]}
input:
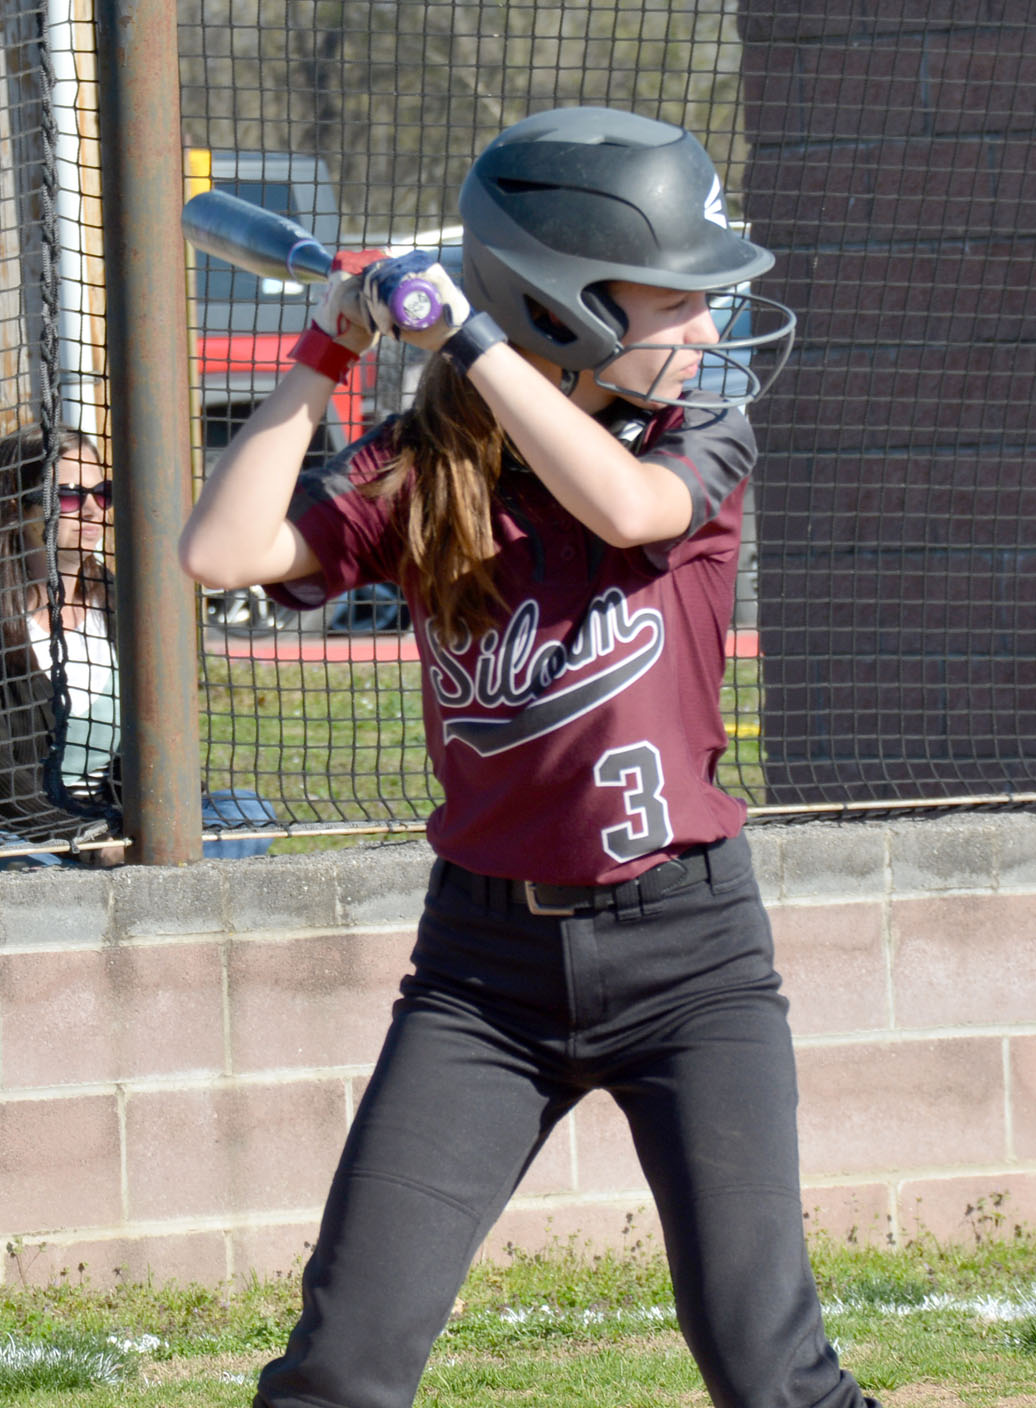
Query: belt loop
{"points": [[627, 901], [707, 851], [478, 886], [498, 894], [651, 892]]}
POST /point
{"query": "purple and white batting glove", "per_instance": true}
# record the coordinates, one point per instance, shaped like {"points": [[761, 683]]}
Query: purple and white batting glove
{"points": [[412, 298]]}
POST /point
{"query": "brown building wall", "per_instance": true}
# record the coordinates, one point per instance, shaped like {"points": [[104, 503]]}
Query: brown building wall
{"points": [[181, 1051], [892, 172]]}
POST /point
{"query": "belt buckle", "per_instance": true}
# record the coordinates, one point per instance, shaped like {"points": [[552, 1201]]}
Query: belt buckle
{"points": [[536, 908]]}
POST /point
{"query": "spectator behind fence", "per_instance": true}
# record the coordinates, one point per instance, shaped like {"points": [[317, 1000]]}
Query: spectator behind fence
{"points": [[90, 757]]}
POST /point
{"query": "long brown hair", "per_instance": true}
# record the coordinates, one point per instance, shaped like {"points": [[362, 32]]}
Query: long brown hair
{"points": [[23, 467], [449, 445]]}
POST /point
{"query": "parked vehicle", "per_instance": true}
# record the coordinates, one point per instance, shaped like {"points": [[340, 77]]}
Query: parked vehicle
{"points": [[245, 327]]}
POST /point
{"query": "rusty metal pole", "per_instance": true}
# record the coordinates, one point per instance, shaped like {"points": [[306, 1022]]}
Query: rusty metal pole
{"points": [[142, 194]]}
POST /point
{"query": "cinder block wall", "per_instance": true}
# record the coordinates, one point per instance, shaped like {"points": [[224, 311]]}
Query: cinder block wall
{"points": [[181, 1050]]}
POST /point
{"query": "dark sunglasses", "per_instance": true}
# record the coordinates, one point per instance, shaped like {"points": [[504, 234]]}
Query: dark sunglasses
{"points": [[72, 497]]}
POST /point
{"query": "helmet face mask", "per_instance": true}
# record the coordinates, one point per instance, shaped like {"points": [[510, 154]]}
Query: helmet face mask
{"points": [[565, 202], [729, 373]]}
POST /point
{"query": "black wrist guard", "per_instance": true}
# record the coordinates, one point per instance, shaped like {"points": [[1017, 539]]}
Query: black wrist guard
{"points": [[471, 339]]}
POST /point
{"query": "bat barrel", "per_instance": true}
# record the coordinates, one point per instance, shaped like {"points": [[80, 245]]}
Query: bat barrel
{"points": [[272, 246], [308, 261], [253, 238]]}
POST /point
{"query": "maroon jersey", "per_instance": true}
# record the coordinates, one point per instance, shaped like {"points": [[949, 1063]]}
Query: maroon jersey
{"points": [[577, 741]]}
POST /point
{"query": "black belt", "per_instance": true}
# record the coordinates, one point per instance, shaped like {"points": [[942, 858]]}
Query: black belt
{"points": [[641, 895]]}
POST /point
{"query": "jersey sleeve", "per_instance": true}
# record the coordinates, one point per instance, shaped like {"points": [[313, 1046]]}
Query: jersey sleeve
{"points": [[350, 533], [712, 453]]}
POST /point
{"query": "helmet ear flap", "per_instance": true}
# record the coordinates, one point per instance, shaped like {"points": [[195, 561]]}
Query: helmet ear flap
{"points": [[601, 304]]}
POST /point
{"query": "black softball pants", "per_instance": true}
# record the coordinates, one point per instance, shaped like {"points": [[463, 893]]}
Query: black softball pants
{"points": [[508, 1019]]}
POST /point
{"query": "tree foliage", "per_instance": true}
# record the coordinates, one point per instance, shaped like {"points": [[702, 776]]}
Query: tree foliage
{"points": [[397, 97]]}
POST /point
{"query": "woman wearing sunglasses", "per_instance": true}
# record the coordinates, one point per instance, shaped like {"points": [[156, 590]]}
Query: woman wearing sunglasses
{"points": [[89, 760]]}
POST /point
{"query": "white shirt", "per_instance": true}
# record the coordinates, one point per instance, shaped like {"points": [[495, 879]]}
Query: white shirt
{"points": [[91, 670]]}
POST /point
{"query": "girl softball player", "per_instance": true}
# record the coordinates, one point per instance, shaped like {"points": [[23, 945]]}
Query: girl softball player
{"points": [[561, 507]]}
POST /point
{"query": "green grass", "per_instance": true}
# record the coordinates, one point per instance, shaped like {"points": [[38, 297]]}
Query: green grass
{"points": [[343, 743], [331, 745], [939, 1323], [63, 1362], [740, 769], [344, 738]]}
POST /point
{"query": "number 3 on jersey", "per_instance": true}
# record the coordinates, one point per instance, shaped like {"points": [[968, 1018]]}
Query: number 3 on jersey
{"points": [[637, 769]]}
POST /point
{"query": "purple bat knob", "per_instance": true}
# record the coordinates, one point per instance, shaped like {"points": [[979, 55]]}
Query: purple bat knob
{"points": [[415, 303]]}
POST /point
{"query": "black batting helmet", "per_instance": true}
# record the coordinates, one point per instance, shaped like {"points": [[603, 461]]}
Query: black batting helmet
{"points": [[565, 201]]}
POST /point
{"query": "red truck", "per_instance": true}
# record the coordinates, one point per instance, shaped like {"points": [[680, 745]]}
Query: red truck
{"points": [[244, 328], [244, 325]]}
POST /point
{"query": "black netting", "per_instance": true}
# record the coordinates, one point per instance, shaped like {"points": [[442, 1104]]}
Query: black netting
{"points": [[883, 648], [883, 643], [54, 559], [892, 170], [382, 109]]}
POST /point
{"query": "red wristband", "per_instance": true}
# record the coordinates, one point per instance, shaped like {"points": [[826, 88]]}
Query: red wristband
{"points": [[317, 350]]}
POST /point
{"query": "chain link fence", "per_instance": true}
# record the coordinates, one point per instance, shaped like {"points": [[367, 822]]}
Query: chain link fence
{"points": [[374, 113], [883, 647], [892, 165]]}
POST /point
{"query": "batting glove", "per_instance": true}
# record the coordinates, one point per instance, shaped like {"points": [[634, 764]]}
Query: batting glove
{"points": [[413, 299], [340, 331]]}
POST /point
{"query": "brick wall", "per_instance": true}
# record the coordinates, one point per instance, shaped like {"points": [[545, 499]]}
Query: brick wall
{"points": [[181, 1050], [892, 172]]}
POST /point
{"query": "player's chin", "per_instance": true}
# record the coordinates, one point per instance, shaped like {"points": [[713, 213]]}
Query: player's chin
{"points": [[667, 390], [658, 397]]}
